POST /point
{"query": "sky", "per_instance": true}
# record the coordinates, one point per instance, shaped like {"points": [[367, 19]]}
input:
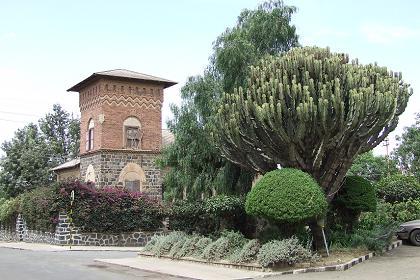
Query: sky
{"points": [[48, 46]]}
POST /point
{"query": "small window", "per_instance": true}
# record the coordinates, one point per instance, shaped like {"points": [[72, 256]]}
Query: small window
{"points": [[89, 136], [132, 137], [132, 186], [132, 133]]}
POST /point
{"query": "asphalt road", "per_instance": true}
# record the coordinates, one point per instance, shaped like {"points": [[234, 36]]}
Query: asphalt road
{"points": [[402, 263], [37, 265]]}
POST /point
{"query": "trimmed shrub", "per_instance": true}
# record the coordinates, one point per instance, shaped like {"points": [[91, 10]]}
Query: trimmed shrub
{"points": [[286, 251], [248, 253], [9, 209], [177, 246], [286, 195], [375, 239], [398, 188], [357, 194], [210, 215]]}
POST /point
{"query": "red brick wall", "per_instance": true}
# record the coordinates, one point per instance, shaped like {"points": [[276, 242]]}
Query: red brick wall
{"points": [[117, 101]]}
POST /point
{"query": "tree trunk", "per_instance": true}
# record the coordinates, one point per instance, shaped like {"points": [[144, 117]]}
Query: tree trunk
{"points": [[318, 242]]}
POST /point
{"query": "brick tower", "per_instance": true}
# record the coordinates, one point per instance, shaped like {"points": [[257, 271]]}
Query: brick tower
{"points": [[121, 129]]}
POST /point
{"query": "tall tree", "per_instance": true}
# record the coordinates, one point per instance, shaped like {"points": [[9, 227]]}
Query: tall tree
{"points": [[26, 163], [62, 133], [196, 165], [34, 150], [407, 153], [310, 109]]}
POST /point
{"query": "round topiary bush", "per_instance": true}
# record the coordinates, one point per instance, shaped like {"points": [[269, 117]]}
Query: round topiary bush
{"points": [[286, 195], [398, 188], [357, 194]]}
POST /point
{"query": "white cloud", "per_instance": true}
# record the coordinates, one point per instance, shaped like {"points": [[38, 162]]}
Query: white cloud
{"points": [[385, 34]]}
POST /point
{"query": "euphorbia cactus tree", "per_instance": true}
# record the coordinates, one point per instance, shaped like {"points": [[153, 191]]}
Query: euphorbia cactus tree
{"points": [[309, 109]]}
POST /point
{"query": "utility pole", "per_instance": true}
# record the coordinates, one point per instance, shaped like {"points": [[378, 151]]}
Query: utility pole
{"points": [[386, 145]]}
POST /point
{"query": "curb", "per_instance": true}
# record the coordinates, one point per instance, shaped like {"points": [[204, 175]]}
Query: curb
{"points": [[338, 267]]}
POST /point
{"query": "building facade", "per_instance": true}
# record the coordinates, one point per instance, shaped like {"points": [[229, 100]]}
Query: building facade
{"points": [[121, 129]]}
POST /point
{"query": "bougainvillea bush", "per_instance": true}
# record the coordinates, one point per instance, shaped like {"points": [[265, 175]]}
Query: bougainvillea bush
{"points": [[110, 209]]}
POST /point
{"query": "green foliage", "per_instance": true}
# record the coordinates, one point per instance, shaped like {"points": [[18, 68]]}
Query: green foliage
{"points": [[188, 247], [210, 215], [286, 195], [200, 246], [376, 239], [164, 243], [248, 253], [224, 246], [371, 167], [34, 150], [40, 208], [196, 165], [9, 210], [286, 251], [357, 194], [110, 209], [397, 188], [407, 153], [173, 253], [309, 109]]}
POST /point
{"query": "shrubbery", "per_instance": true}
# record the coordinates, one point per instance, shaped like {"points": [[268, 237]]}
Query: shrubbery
{"points": [[231, 246], [110, 209], [286, 251], [286, 195], [398, 188], [9, 209], [210, 215]]}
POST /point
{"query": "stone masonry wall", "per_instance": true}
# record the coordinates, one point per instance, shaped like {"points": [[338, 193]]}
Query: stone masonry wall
{"points": [[65, 234], [108, 166]]}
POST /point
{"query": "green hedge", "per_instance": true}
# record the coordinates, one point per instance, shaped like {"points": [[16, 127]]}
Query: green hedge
{"points": [[210, 215], [286, 195], [357, 194], [398, 188], [9, 209]]}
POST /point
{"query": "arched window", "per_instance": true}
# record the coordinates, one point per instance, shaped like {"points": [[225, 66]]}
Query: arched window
{"points": [[132, 133], [89, 135], [132, 177]]}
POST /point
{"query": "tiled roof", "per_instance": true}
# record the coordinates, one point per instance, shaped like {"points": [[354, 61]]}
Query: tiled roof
{"points": [[121, 74], [167, 138], [69, 164]]}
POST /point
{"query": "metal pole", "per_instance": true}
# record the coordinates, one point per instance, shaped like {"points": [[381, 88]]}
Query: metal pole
{"points": [[325, 242], [70, 216]]}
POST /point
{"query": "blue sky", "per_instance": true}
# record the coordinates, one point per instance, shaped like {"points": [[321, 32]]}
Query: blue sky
{"points": [[47, 46]]}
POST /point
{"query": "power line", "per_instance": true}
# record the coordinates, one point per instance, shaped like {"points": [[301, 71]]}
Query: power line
{"points": [[15, 121], [21, 114]]}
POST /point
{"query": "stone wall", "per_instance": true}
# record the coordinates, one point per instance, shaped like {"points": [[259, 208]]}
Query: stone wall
{"points": [[65, 234], [109, 164]]}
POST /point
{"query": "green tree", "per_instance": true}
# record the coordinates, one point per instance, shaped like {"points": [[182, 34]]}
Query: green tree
{"points": [[372, 167], [196, 164], [26, 163], [312, 110], [34, 150], [407, 153], [62, 134]]}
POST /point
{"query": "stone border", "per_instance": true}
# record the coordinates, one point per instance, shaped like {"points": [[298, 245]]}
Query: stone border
{"points": [[338, 267]]}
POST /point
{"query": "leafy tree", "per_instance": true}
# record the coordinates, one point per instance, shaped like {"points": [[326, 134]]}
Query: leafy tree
{"points": [[196, 164], [34, 150], [407, 154], [26, 163], [372, 167], [62, 134], [312, 110]]}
